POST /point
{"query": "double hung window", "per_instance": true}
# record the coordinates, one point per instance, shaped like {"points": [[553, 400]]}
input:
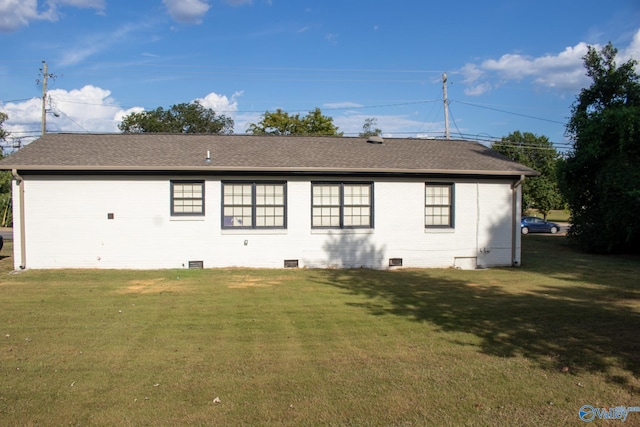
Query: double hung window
{"points": [[342, 205], [438, 205], [253, 205], [187, 198]]}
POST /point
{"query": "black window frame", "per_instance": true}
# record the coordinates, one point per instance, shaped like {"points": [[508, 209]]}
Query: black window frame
{"points": [[173, 198], [341, 207], [254, 206], [450, 206]]}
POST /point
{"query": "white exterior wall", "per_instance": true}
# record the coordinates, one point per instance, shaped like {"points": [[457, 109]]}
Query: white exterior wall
{"points": [[67, 227]]}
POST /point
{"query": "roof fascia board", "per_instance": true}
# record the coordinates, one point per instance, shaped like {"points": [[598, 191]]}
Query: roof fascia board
{"points": [[274, 172]]}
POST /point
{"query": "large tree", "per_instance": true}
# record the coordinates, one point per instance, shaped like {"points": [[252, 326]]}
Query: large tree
{"points": [[537, 152], [180, 118], [3, 133], [601, 175], [5, 176], [282, 123], [5, 182], [369, 128]]}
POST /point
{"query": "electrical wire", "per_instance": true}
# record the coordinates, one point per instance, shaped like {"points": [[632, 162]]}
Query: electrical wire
{"points": [[510, 112]]}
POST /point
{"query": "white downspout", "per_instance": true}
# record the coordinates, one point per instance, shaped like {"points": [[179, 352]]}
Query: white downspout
{"points": [[514, 215], [23, 249]]}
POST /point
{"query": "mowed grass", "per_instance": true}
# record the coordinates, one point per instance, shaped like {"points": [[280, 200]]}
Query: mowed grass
{"points": [[553, 216], [508, 346]]}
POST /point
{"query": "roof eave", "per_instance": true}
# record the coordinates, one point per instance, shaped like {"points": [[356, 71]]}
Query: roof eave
{"points": [[284, 170]]}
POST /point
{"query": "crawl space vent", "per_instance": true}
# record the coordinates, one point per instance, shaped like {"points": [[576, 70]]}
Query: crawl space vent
{"points": [[290, 263], [395, 262], [196, 264]]}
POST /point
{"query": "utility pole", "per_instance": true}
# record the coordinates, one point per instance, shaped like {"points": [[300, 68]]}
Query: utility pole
{"points": [[446, 106], [45, 76]]}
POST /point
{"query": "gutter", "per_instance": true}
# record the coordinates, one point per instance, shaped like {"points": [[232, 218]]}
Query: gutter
{"points": [[259, 169], [514, 215], [23, 249]]}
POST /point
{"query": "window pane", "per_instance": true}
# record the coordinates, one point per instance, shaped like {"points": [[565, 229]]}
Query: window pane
{"points": [[188, 198], [352, 201], [330, 195], [245, 202], [326, 217], [438, 205], [357, 205], [269, 205]]}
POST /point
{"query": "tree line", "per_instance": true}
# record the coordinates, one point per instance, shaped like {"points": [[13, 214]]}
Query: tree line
{"points": [[195, 118], [598, 180]]}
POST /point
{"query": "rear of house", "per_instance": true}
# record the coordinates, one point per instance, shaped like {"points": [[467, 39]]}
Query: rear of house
{"points": [[178, 201]]}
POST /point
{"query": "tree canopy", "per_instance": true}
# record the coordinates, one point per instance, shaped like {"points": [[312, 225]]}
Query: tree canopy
{"points": [[537, 152], [282, 123], [180, 118], [601, 175], [5, 182], [3, 133], [369, 128]]}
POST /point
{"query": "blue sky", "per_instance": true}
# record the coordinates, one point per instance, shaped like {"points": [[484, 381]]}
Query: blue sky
{"points": [[511, 65]]}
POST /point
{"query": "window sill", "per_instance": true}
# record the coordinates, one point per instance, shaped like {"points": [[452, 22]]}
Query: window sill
{"points": [[187, 218], [342, 231], [443, 230], [254, 231]]}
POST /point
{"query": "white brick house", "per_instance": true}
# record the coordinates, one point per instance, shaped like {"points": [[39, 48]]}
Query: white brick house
{"points": [[146, 201]]}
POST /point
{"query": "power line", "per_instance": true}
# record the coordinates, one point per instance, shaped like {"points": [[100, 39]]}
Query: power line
{"points": [[73, 121], [511, 112], [229, 67], [349, 107]]}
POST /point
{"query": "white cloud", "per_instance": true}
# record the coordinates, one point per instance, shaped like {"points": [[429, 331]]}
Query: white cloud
{"points": [[633, 50], [186, 11], [238, 2], [93, 109], [332, 38], [477, 90], [390, 125], [346, 104], [564, 70], [243, 120], [19, 13], [220, 103], [91, 45], [90, 109], [96, 4]]}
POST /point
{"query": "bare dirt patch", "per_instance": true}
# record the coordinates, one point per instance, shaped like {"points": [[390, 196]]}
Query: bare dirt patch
{"points": [[151, 286], [254, 282]]}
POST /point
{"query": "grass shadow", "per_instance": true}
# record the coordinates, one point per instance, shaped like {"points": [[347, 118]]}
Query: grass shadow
{"points": [[573, 320]]}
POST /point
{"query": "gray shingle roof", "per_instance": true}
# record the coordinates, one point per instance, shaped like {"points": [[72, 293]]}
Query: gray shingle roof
{"points": [[187, 152]]}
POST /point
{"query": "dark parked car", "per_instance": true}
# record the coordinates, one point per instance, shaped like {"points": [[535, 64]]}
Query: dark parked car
{"points": [[532, 224]]}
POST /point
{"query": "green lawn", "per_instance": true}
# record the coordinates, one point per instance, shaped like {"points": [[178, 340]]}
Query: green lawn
{"points": [[511, 346], [554, 216]]}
